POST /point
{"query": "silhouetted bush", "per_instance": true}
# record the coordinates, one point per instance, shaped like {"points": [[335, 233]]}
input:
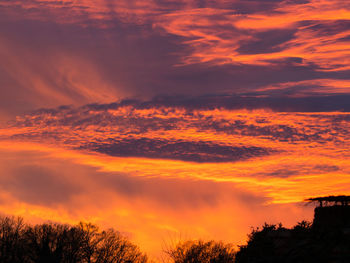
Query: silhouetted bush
{"points": [[323, 242], [57, 243], [260, 245], [202, 252], [303, 243]]}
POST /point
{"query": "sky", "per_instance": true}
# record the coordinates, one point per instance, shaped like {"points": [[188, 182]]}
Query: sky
{"points": [[173, 119]]}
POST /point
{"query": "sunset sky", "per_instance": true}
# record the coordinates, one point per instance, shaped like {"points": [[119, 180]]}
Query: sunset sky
{"points": [[173, 119]]}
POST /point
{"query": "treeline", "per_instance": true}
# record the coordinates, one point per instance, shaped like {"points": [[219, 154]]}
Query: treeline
{"points": [[86, 243], [58, 243]]}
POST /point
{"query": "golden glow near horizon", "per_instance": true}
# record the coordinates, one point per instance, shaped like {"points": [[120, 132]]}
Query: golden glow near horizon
{"points": [[281, 159]]}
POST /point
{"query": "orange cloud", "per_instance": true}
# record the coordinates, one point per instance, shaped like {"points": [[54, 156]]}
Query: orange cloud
{"points": [[293, 154], [52, 169], [217, 33], [38, 183], [56, 77]]}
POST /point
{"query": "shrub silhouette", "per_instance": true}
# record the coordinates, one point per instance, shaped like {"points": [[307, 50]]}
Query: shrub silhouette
{"points": [[58, 243], [302, 243], [274, 243], [202, 252], [260, 246]]}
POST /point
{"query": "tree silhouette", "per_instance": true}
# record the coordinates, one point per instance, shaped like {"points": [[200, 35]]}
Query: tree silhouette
{"points": [[302, 243], [260, 246], [58, 243], [12, 241], [202, 252]]}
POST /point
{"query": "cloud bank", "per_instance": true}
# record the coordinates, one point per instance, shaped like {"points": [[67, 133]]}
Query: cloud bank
{"points": [[78, 52]]}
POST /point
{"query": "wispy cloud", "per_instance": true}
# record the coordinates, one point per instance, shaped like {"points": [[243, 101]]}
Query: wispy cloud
{"points": [[313, 33], [308, 88], [63, 50], [305, 33], [275, 152]]}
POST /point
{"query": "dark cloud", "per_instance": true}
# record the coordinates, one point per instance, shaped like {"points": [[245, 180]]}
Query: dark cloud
{"points": [[267, 41], [327, 168], [327, 28], [250, 101], [177, 150], [291, 171], [258, 101], [131, 127]]}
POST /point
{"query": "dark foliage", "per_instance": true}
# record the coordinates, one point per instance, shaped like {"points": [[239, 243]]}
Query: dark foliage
{"points": [[330, 200], [202, 252], [303, 243], [57, 243], [327, 239]]}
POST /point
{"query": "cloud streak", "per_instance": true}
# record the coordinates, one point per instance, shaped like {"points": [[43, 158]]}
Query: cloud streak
{"points": [[314, 34], [288, 150], [188, 47]]}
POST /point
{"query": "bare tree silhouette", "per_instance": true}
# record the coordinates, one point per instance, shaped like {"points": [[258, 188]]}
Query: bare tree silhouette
{"points": [[202, 252], [12, 241], [58, 243]]}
